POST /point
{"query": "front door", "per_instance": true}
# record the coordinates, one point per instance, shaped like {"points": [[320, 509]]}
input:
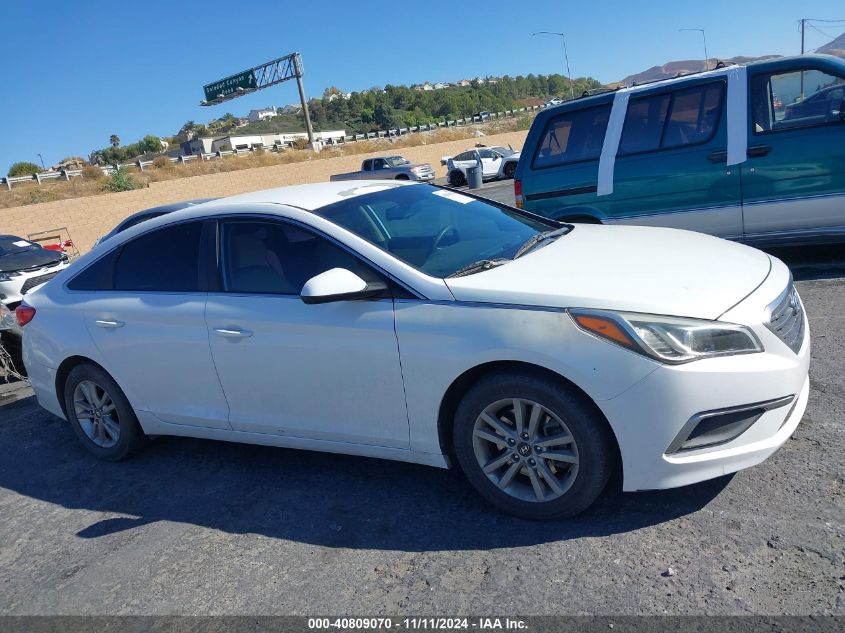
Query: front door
{"points": [[327, 371], [793, 182]]}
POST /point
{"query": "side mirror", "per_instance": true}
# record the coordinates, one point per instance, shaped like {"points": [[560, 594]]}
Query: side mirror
{"points": [[339, 284]]}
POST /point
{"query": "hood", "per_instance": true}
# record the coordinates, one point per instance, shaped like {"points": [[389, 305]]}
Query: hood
{"points": [[631, 268], [28, 259]]}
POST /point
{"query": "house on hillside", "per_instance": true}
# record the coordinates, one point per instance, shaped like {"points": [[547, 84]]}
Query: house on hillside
{"points": [[261, 115], [293, 108], [464, 83]]}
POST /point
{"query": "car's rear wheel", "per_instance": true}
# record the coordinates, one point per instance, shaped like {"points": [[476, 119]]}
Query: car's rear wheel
{"points": [[457, 179], [531, 446], [100, 414], [509, 170]]}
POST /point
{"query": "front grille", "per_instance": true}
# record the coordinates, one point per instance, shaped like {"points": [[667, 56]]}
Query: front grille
{"points": [[786, 318], [30, 283]]}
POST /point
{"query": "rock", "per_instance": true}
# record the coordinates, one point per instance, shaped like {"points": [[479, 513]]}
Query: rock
{"points": [[668, 573]]}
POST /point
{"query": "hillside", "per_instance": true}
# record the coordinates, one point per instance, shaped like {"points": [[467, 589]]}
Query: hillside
{"points": [[836, 47], [675, 68]]}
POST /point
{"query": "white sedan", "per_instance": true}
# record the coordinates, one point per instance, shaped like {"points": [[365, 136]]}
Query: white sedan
{"points": [[411, 322]]}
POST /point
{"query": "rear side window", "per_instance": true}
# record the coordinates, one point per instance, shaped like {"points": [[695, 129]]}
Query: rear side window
{"points": [[164, 260], [671, 120], [572, 137]]}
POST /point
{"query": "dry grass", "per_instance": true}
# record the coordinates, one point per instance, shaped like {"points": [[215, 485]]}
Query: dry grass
{"points": [[92, 182]]}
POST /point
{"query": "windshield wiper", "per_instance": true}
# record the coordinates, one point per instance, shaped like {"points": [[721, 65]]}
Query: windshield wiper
{"points": [[540, 238], [474, 267]]}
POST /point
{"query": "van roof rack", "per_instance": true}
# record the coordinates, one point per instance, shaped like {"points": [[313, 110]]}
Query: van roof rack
{"points": [[719, 65]]}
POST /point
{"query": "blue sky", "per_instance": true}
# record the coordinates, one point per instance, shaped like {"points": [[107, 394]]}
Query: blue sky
{"points": [[76, 72]]}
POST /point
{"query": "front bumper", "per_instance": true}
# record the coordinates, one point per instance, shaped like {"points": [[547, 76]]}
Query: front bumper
{"points": [[649, 417], [15, 288]]}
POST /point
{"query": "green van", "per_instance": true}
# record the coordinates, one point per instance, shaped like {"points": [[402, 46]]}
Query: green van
{"points": [[753, 153]]}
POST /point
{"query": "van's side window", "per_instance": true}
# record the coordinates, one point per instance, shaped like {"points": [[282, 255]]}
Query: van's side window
{"points": [[801, 98], [573, 137], [671, 120], [644, 123]]}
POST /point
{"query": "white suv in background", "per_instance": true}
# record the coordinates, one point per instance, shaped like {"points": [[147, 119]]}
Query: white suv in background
{"points": [[496, 163]]}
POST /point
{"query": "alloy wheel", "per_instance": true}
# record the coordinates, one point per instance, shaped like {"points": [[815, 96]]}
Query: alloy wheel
{"points": [[525, 449], [97, 414]]}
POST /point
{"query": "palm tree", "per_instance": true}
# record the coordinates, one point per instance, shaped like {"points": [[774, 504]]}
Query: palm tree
{"points": [[114, 139]]}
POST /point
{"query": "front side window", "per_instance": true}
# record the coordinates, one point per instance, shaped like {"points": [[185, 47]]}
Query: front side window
{"points": [[435, 230], [801, 98], [275, 258], [163, 260], [573, 137], [379, 163]]}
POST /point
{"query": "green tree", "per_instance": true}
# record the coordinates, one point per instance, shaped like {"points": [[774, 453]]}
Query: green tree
{"points": [[120, 180], [114, 140], [23, 169]]}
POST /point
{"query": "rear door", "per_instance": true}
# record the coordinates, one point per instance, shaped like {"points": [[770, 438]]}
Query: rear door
{"points": [[793, 182], [326, 371], [671, 164], [148, 323]]}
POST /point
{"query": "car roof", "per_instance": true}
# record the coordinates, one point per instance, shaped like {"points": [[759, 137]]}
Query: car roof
{"points": [[309, 197]]}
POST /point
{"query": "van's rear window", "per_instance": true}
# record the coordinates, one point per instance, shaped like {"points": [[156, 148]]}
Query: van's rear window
{"points": [[572, 137]]}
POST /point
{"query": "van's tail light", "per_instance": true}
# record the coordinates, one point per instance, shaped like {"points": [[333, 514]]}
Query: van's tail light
{"points": [[517, 193], [24, 314]]}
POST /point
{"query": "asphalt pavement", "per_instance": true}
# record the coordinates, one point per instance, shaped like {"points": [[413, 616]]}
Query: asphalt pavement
{"points": [[201, 527]]}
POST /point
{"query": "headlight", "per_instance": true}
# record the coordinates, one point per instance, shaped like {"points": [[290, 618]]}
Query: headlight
{"points": [[668, 339], [8, 276]]}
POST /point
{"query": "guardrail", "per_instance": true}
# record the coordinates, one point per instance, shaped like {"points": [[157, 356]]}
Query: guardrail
{"points": [[67, 174]]}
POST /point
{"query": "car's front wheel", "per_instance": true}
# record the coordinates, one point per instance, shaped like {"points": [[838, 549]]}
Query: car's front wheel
{"points": [[509, 170], [531, 446], [100, 414], [456, 178]]}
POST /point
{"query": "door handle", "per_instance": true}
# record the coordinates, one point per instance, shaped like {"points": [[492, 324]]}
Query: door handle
{"points": [[110, 325], [758, 150], [230, 333], [719, 156]]}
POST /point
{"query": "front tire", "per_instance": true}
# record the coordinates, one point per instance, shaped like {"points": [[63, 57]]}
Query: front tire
{"points": [[509, 170], [100, 414], [531, 446], [457, 179]]}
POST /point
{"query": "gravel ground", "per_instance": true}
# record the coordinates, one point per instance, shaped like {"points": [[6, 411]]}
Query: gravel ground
{"points": [[198, 527]]}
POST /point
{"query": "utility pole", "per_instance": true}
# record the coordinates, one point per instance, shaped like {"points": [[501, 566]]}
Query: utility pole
{"points": [[566, 56], [803, 23], [704, 36]]}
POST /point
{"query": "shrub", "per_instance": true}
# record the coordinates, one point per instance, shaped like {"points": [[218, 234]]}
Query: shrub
{"points": [[40, 195], [162, 162], [23, 169], [300, 143], [89, 172], [120, 180]]}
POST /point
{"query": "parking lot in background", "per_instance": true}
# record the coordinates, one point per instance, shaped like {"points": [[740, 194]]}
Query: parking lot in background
{"points": [[201, 527]]}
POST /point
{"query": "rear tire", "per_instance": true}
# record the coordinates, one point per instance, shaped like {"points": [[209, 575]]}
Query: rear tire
{"points": [[555, 466], [100, 414], [457, 179]]}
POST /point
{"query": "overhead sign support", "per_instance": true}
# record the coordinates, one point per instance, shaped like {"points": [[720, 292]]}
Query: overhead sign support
{"points": [[258, 78]]}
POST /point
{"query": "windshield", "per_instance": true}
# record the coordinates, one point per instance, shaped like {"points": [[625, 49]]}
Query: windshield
{"points": [[504, 151], [395, 161], [9, 245], [437, 231]]}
